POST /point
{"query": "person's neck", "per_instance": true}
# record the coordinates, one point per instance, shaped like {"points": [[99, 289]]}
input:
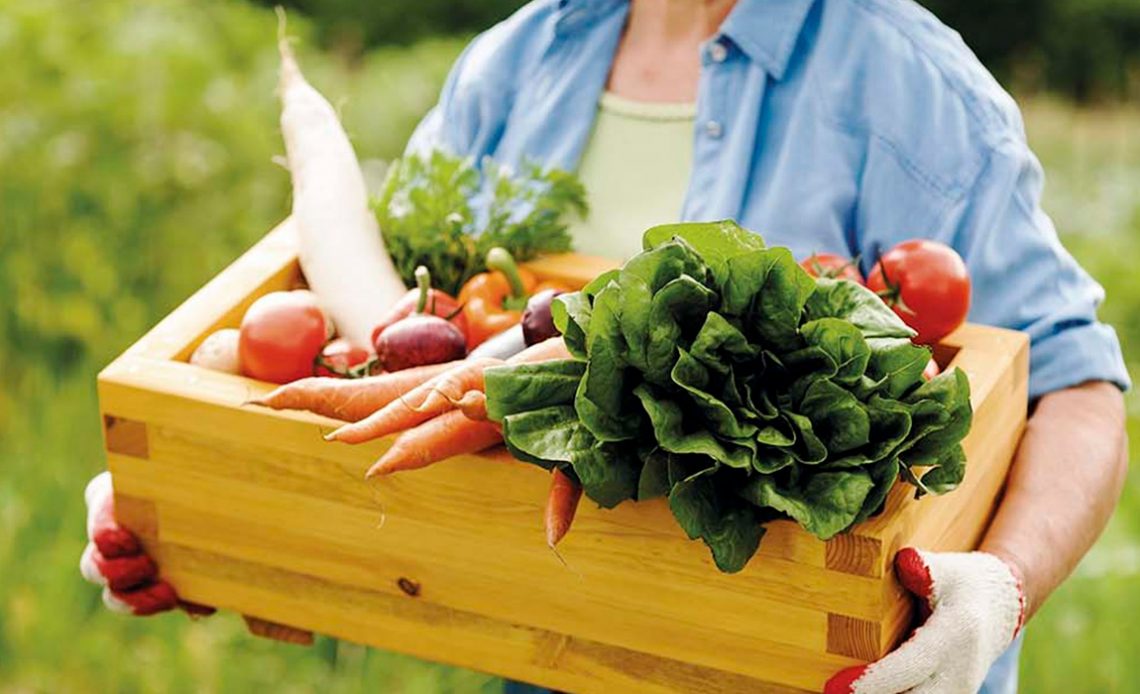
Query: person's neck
{"points": [[658, 58], [669, 21]]}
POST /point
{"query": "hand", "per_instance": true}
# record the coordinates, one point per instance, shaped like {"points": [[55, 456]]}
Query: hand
{"points": [[974, 607], [115, 559]]}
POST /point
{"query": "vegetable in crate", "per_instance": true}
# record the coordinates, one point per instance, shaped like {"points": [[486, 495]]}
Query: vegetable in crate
{"points": [[340, 247], [446, 213], [494, 301], [281, 335], [927, 285], [422, 337], [716, 372]]}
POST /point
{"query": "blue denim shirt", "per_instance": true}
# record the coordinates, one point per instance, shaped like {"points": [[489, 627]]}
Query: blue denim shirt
{"points": [[829, 125]]}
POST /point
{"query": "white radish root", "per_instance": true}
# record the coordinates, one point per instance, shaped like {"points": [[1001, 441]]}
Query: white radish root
{"points": [[341, 250]]}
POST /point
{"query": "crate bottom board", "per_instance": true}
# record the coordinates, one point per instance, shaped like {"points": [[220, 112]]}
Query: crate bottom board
{"points": [[509, 650]]}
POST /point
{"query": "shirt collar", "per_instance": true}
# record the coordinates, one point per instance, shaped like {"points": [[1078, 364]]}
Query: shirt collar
{"points": [[767, 30]]}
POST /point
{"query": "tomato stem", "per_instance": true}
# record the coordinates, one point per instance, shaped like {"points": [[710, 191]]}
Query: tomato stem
{"points": [[892, 295]]}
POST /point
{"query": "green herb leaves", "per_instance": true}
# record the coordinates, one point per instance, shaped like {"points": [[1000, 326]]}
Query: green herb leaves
{"points": [[715, 372], [427, 218]]}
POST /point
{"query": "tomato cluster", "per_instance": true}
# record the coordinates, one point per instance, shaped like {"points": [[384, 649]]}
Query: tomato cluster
{"points": [[925, 282]]}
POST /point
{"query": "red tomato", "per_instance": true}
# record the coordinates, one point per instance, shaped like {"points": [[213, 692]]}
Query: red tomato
{"points": [[927, 285], [832, 265], [281, 335], [339, 357]]}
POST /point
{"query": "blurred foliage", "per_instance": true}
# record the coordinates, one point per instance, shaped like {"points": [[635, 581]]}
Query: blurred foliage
{"points": [[1083, 48], [136, 141], [353, 25], [137, 159]]}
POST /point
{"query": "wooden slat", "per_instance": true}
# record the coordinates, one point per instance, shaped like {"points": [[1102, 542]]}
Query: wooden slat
{"points": [[411, 626], [207, 406], [443, 551]]}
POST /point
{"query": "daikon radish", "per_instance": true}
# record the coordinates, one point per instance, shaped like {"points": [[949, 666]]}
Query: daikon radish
{"points": [[341, 250]]}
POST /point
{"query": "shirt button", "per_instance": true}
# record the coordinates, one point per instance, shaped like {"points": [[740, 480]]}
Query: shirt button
{"points": [[718, 52], [714, 129]]}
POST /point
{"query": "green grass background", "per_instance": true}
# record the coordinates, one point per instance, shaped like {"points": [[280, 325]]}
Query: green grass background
{"points": [[136, 160]]}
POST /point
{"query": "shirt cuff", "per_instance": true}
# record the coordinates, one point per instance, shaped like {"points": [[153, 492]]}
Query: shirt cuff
{"points": [[1076, 355]]}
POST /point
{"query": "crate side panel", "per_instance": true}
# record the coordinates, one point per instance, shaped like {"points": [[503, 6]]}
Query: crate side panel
{"points": [[410, 625], [630, 538], [453, 569]]}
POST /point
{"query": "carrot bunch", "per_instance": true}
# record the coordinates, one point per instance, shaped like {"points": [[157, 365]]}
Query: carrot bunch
{"points": [[441, 411]]}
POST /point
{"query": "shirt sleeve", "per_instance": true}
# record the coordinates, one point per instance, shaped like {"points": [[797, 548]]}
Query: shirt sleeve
{"points": [[476, 98], [436, 130], [1024, 279]]}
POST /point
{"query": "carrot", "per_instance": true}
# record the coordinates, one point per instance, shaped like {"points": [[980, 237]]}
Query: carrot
{"points": [[349, 400], [447, 435], [561, 504], [418, 405], [547, 350], [473, 405]]}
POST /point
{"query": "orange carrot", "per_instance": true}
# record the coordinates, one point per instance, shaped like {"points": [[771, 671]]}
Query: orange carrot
{"points": [[561, 505], [418, 405], [442, 393], [473, 405], [349, 400], [547, 350], [447, 435]]}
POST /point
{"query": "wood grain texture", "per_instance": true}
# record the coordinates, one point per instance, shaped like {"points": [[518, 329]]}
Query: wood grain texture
{"points": [[855, 554], [250, 510], [125, 436], [856, 638]]}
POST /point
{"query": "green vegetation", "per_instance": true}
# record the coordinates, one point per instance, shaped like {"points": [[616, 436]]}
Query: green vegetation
{"points": [[136, 145], [424, 209]]}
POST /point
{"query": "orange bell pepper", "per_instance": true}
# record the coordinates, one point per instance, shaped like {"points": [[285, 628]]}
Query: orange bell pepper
{"points": [[493, 301]]}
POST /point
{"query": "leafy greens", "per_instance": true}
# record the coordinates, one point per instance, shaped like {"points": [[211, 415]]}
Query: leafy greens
{"points": [[715, 372]]}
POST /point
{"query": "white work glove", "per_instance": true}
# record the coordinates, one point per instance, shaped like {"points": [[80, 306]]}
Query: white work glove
{"points": [[975, 607], [115, 559]]}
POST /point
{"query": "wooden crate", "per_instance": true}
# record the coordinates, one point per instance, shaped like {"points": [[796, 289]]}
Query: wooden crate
{"points": [[250, 510]]}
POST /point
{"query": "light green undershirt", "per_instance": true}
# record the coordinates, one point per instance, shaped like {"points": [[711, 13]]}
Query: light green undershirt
{"points": [[636, 171]]}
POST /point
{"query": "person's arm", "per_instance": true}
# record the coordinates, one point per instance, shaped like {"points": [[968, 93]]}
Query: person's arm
{"points": [[1063, 486], [1067, 473]]}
